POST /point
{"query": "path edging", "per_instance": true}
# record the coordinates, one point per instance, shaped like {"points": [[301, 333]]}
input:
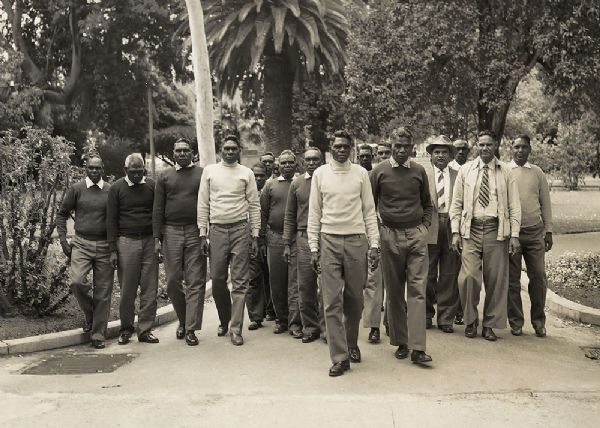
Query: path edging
{"points": [[565, 308], [62, 339]]}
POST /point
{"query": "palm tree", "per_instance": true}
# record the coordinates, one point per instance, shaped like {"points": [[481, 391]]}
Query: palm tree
{"points": [[275, 41]]}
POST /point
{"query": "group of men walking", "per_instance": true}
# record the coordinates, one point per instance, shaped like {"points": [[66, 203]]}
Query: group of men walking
{"points": [[317, 251]]}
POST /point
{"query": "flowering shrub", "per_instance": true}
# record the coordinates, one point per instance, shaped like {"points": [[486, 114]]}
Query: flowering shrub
{"points": [[575, 270], [35, 170]]}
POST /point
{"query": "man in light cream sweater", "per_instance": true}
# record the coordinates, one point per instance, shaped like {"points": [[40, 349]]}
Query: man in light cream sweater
{"points": [[341, 217], [227, 199]]}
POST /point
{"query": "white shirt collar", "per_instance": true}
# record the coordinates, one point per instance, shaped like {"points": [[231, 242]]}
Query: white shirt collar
{"points": [[513, 165], [178, 167], [131, 183], [443, 171], [307, 175], [89, 183], [396, 164], [280, 178]]}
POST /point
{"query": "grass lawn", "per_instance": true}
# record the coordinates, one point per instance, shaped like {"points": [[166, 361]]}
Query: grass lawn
{"points": [[574, 212]]}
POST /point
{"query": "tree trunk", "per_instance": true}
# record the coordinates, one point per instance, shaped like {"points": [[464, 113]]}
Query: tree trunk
{"points": [[202, 84], [492, 119], [278, 90]]}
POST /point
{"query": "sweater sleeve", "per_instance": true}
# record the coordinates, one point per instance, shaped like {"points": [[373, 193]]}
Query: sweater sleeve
{"points": [[112, 217], [265, 203], [315, 211], [158, 208], [368, 210], [514, 206], [253, 204], [456, 206], [545, 202], [203, 200], [373, 178], [426, 200], [68, 204], [289, 219]]}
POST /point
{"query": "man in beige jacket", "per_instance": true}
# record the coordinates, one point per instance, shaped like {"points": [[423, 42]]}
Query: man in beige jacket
{"points": [[485, 217]]}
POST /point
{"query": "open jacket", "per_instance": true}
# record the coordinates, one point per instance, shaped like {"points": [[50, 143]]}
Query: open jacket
{"points": [[463, 200], [435, 222]]}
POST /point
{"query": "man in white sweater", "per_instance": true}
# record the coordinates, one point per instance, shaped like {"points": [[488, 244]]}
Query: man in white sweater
{"points": [[341, 213], [227, 198]]}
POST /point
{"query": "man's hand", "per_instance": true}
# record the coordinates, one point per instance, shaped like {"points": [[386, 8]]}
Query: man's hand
{"points": [[514, 246], [203, 246], [254, 247], [373, 258], [158, 250], [287, 254], [66, 247], [548, 241], [456, 244], [114, 259], [315, 261]]}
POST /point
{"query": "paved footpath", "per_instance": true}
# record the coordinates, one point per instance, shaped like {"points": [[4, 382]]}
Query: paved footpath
{"points": [[277, 381]]}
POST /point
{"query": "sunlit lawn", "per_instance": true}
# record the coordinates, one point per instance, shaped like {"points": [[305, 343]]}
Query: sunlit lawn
{"points": [[576, 211]]}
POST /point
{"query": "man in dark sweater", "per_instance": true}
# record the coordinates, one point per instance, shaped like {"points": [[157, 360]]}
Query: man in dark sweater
{"points": [[282, 276], [129, 233], [174, 226], [89, 249], [401, 193], [294, 229]]}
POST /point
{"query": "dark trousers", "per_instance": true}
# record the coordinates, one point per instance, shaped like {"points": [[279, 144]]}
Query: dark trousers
{"points": [[94, 298], [483, 254], [405, 264], [269, 309], [137, 267], [230, 248], [343, 275], [441, 279], [255, 297], [184, 261], [284, 282], [311, 308], [533, 250]]}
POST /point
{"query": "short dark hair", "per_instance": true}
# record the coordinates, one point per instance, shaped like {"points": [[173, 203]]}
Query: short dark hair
{"points": [[385, 144], [233, 138], [366, 147], [342, 133], [487, 133], [287, 152], [525, 138], [267, 154], [316, 149], [259, 165], [401, 132]]}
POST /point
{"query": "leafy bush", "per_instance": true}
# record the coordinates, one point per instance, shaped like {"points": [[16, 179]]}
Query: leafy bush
{"points": [[575, 270], [35, 170]]}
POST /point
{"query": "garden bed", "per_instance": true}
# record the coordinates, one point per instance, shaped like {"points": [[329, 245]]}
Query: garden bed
{"points": [[576, 277]]}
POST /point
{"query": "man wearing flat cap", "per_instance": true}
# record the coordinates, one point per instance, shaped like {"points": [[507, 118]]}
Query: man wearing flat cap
{"points": [[443, 263], [461, 153]]}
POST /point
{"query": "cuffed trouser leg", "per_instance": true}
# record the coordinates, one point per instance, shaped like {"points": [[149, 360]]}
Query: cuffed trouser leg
{"points": [[239, 238], [255, 298], [278, 276], [307, 288], [173, 239], [194, 266], [373, 296]]}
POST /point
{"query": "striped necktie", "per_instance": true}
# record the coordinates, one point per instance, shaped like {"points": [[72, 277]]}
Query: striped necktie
{"points": [[440, 192], [484, 189]]}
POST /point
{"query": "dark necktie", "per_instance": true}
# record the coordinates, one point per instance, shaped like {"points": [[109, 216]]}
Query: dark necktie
{"points": [[484, 190]]}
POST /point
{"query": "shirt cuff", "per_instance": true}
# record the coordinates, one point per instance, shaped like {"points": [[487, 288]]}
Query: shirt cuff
{"points": [[514, 235], [202, 230], [255, 233]]}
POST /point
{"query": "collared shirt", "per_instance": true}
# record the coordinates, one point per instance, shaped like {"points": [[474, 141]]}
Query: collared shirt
{"points": [[131, 183], [307, 175], [89, 183], [446, 174], [396, 164], [492, 209], [454, 165], [178, 167]]}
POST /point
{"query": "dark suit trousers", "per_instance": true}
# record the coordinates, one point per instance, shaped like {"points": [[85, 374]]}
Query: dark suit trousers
{"points": [[441, 280], [308, 288], [533, 251], [255, 298]]}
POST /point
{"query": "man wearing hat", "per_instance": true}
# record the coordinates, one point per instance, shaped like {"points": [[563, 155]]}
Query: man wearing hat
{"points": [[443, 263], [461, 153]]}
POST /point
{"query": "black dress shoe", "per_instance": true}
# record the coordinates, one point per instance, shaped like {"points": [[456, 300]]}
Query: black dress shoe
{"points": [[458, 319], [338, 369], [310, 338], [222, 330], [87, 327], [428, 323], [237, 339], [354, 354], [280, 328], [517, 331], [180, 333], [540, 332], [98, 344], [488, 334], [124, 338], [420, 357], [471, 330], [270, 317], [254, 325], [296, 334], [148, 338], [402, 352], [374, 336], [446, 328], [190, 338]]}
